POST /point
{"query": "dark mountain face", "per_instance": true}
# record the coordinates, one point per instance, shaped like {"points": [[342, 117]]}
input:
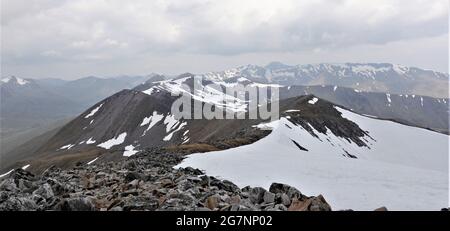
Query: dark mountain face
{"points": [[132, 121], [421, 111], [415, 110]]}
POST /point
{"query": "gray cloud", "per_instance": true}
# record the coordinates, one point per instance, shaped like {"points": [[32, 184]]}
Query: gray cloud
{"points": [[71, 38]]}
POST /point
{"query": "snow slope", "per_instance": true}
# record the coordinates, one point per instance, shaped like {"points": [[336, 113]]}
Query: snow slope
{"points": [[405, 168], [207, 94]]}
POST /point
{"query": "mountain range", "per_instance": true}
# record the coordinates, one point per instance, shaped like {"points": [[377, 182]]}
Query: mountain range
{"points": [[372, 129], [371, 77]]}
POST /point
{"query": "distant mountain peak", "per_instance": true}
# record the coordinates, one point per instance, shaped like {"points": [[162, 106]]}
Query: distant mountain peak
{"points": [[276, 65], [15, 80]]}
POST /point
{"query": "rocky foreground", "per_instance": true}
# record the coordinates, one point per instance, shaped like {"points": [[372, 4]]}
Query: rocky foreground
{"points": [[146, 181]]}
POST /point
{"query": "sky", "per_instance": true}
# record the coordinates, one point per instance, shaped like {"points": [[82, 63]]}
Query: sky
{"points": [[74, 38]]}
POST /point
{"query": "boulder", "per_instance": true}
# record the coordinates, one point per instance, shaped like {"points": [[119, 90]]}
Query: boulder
{"points": [[269, 197], [15, 203], [76, 204], [8, 185], [212, 202], [285, 200], [284, 188], [257, 195], [279, 188], [381, 209], [192, 171], [311, 204], [130, 176], [224, 185], [319, 204], [44, 191]]}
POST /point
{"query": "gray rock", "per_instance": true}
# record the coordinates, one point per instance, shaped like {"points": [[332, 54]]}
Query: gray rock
{"points": [[134, 183], [285, 200], [279, 188], [284, 188], [15, 203], [205, 181], [294, 193], [44, 191], [257, 195], [280, 207], [192, 171], [269, 197], [225, 185], [132, 176], [319, 204], [140, 203], [8, 185], [212, 202], [194, 179], [146, 181], [76, 204]]}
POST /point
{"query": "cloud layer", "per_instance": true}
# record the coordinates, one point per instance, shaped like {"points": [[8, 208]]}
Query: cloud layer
{"points": [[78, 34]]}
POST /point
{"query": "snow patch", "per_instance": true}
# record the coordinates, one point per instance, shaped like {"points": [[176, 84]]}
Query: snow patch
{"points": [[388, 97], [92, 161], [402, 70], [169, 136], [146, 121], [153, 120], [69, 146], [267, 126], [25, 167], [95, 110], [90, 141], [368, 70], [5, 174], [129, 151], [19, 81], [114, 141], [170, 122], [313, 101], [149, 91]]}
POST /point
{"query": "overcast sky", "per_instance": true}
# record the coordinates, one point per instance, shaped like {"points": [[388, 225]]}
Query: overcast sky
{"points": [[76, 38]]}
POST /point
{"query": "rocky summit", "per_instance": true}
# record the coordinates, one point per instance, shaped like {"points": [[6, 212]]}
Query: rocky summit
{"points": [[146, 181]]}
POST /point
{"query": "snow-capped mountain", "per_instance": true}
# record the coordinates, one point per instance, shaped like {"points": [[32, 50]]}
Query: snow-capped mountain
{"points": [[372, 77], [14, 80], [30, 103], [357, 161], [393, 165], [24, 104], [133, 120], [416, 110]]}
